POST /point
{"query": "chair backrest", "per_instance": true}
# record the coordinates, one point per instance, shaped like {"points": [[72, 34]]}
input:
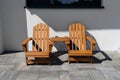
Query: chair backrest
{"points": [[40, 37], [77, 36]]}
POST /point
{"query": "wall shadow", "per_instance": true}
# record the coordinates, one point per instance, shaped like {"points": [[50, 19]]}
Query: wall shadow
{"points": [[60, 46], [102, 19], [97, 50], [11, 52], [14, 19], [61, 50], [35, 18], [13, 24]]}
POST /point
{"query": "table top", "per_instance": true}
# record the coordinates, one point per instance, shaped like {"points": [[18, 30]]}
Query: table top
{"points": [[59, 39]]}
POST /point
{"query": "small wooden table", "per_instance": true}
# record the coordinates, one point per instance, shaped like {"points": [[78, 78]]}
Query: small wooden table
{"points": [[61, 39]]}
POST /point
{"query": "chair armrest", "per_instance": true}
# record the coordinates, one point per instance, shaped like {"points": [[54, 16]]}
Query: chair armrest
{"points": [[67, 43], [50, 45], [68, 40], [92, 42], [25, 42], [50, 42]]}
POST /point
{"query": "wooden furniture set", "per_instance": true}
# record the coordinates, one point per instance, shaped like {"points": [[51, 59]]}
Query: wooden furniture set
{"points": [[42, 44]]}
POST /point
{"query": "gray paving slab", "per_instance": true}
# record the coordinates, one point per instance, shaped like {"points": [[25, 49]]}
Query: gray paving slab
{"points": [[117, 67], [112, 73], [48, 73], [64, 75], [80, 73], [55, 68], [2, 73], [86, 68], [80, 78], [9, 75], [13, 67], [97, 75], [22, 67], [27, 76], [6, 67], [69, 67], [48, 78]]}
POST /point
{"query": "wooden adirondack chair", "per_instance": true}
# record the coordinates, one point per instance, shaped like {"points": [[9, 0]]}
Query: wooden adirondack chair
{"points": [[41, 45], [78, 38]]}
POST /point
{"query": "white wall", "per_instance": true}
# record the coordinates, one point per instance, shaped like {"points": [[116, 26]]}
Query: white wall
{"points": [[1, 37], [103, 24], [14, 23]]}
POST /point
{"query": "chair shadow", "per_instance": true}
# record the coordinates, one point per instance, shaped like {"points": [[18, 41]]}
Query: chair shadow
{"points": [[97, 51], [102, 58], [36, 46], [55, 60], [61, 50]]}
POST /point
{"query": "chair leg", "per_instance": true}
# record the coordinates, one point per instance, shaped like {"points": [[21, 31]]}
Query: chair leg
{"points": [[77, 61], [36, 61], [69, 62], [91, 59], [26, 60], [69, 59], [50, 61]]}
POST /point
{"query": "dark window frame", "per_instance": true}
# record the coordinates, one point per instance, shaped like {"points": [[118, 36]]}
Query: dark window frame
{"points": [[49, 4]]}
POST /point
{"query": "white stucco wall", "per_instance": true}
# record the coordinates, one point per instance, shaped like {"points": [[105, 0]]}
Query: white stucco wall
{"points": [[1, 34], [1, 37], [103, 24], [13, 24]]}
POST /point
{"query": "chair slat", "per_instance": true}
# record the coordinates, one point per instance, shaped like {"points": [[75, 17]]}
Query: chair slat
{"points": [[37, 35], [33, 47], [44, 42], [34, 39], [77, 45], [84, 38], [78, 39], [41, 37], [77, 36], [71, 36], [81, 41], [45, 36], [47, 41]]}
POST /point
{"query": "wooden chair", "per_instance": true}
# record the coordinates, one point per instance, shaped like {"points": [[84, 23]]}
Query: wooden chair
{"points": [[78, 38], [41, 45]]}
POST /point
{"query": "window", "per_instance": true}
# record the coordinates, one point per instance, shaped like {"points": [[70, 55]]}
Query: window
{"points": [[63, 3]]}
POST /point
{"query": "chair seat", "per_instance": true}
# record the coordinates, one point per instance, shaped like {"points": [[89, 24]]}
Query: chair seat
{"points": [[37, 54], [80, 53]]}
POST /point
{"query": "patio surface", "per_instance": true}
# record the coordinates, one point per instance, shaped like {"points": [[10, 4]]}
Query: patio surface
{"points": [[106, 66]]}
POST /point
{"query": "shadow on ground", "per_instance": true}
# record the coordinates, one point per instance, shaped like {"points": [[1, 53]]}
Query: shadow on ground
{"points": [[61, 57], [100, 56], [58, 58]]}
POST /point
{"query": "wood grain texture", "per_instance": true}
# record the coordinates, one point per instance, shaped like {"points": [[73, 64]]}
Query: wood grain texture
{"points": [[78, 45], [41, 44]]}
